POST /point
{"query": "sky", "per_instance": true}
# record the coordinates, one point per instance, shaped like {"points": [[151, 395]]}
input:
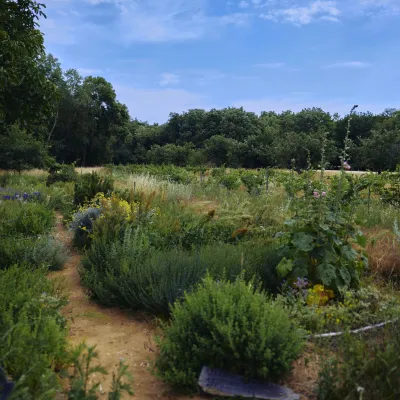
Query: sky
{"points": [[165, 56]]}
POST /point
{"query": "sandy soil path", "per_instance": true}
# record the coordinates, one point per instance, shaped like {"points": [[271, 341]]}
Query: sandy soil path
{"points": [[115, 333]]}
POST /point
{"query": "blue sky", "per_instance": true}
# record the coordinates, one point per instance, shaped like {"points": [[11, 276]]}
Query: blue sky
{"points": [[167, 56]]}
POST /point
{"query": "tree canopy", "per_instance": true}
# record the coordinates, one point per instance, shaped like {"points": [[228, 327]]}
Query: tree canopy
{"points": [[77, 119]]}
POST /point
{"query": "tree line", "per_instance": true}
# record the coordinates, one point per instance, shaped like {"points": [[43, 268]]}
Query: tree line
{"points": [[49, 114]]}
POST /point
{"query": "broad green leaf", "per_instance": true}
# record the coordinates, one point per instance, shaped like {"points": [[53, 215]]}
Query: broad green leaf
{"points": [[326, 273], [284, 267], [303, 241], [348, 253], [345, 275]]}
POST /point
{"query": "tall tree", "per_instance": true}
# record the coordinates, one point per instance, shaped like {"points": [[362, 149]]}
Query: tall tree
{"points": [[26, 95]]}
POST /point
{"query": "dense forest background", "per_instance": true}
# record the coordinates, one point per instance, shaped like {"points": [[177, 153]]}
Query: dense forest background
{"points": [[47, 113]]}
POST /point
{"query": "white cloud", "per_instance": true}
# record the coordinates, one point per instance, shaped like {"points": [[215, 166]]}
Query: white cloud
{"points": [[243, 4], [170, 20], [168, 79], [271, 65], [349, 64], [304, 15]]}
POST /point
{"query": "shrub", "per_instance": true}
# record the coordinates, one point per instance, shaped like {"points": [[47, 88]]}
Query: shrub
{"points": [[62, 173], [44, 251], [82, 226], [88, 185], [32, 331], [359, 308], [21, 218], [133, 274], [230, 326], [363, 368], [252, 181], [320, 245], [231, 182]]}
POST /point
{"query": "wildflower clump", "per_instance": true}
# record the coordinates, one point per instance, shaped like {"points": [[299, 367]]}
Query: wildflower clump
{"points": [[319, 296]]}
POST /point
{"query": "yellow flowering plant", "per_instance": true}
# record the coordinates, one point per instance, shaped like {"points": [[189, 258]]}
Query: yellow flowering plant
{"points": [[319, 296]]}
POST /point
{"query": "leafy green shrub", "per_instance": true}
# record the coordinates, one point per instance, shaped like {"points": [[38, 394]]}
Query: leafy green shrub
{"points": [[88, 185], [359, 308], [21, 218], [252, 181], [44, 251], [319, 245], [230, 326], [60, 197], [133, 274], [390, 194], [32, 331], [62, 173], [230, 181], [363, 368]]}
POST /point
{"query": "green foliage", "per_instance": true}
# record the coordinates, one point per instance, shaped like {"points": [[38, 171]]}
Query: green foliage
{"points": [[21, 151], [390, 193], [62, 173], [32, 330], [25, 94], [88, 185], [253, 181], [23, 218], [320, 239], [230, 326], [133, 274], [45, 251], [359, 308], [363, 368], [230, 181]]}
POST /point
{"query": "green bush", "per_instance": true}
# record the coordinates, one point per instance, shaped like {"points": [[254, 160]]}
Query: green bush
{"points": [[365, 368], [253, 181], [133, 274], [25, 218], [32, 331], [230, 181], [230, 326], [62, 173], [45, 251], [88, 185]]}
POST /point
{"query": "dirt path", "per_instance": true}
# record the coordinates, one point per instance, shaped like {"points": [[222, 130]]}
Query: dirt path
{"points": [[115, 334]]}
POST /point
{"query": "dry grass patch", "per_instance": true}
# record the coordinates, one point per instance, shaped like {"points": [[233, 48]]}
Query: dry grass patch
{"points": [[383, 250]]}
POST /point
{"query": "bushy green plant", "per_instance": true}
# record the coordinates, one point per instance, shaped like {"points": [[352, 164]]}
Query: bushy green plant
{"points": [[253, 181], [230, 181], [358, 308], [88, 185], [365, 368], [230, 326], [32, 331], [319, 246], [132, 273], [62, 173], [43, 251], [25, 218], [390, 194]]}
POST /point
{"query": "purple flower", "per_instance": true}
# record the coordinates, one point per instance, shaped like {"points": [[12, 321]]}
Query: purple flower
{"points": [[346, 166], [301, 283], [323, 194], [316, 194]]}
